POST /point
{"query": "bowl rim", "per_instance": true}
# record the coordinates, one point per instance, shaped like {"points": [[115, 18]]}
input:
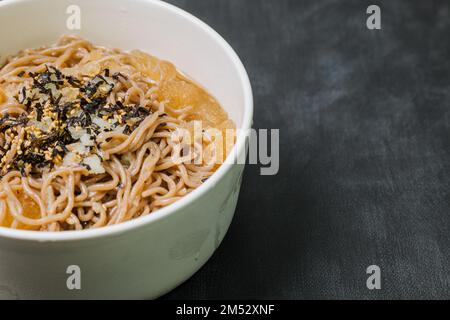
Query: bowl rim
{"points": [[239, 147]]}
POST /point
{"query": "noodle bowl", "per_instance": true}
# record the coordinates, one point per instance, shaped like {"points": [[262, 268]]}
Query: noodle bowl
{"points": [[91, 136], [145, 257]]}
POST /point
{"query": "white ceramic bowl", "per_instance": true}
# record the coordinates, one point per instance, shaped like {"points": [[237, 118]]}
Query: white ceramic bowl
{"points": [[146, 257]]}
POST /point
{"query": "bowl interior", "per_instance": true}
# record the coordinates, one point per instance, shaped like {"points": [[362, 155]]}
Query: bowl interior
{"points": [[151, 26]]}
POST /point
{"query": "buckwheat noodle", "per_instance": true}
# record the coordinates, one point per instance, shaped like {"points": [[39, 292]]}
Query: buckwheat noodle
{"points": [[141, 168]]}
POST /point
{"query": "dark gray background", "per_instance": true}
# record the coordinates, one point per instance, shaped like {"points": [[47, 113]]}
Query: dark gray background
{"points": [[364, 173]]}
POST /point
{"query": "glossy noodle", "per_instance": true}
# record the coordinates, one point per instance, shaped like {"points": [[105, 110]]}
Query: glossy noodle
{"points": [[91, 136]]}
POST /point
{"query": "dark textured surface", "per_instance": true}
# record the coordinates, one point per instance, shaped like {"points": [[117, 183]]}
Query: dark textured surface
{"points": [[364, 174]]}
